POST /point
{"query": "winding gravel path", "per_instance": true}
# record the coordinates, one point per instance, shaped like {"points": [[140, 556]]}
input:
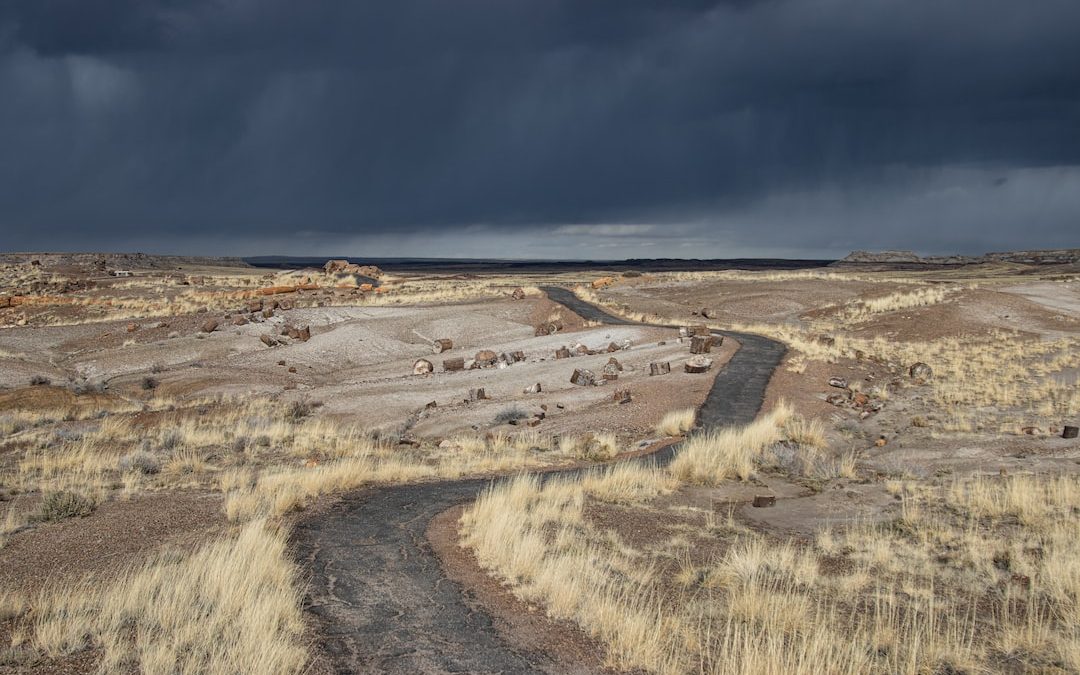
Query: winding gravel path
{"points": [[383, 603]]}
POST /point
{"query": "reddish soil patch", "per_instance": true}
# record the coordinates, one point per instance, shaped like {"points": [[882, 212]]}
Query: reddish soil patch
{"points": [[108, 540]]}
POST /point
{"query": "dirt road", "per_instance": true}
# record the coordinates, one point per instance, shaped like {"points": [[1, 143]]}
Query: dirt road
{"points": [[382, 603]]}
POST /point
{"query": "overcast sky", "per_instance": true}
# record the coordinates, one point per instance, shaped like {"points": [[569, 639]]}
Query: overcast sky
{"points": [[539, 128]]}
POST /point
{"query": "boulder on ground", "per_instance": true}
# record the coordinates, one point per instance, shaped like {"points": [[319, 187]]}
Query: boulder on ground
{"points": [[268, 341], [838, 382], [485, 358], [701, 344], [583, 378], [534, 389], [610, 371], [921, 372], [422, 367], [300, 334], [698, 364], [661, 368], [622, 396], [333, 266], [209, 326], [562, 353], [518, 293], [612, 347], [836, 400], [239, 321], [541, 330]]}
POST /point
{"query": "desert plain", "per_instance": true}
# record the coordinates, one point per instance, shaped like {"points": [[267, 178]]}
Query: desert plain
{"points": [[178, 434]]}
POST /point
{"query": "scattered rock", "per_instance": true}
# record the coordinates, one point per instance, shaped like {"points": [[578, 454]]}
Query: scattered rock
{"points": [[836, 399], [485, 358], [860, 399], [881, 441], [239, 321], [268, 341], [132, 327], [562, 353], [534, 389], [763, 501], [209, 326], [422, 367], [700, 344], [622, 396], [921, 372], [612, 347], [540, 330], [610, 371], [454, 364], [292, 369], [583, 378], [838, 382], [518, 293], [442, 345], [698, 364], [661, 368]]}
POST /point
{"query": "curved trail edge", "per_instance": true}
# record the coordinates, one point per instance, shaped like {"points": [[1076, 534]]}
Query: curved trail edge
{"points": [[380, 599]]}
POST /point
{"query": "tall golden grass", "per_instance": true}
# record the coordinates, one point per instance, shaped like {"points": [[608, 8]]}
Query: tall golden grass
{"points": [[231, 606]]}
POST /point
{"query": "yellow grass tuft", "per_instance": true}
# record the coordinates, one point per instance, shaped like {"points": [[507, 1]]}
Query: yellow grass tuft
{"points": [[231, 606], [677, 422]]}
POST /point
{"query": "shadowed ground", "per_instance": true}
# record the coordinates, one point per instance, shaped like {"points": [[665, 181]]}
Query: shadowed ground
{"points": [[382, 602]]}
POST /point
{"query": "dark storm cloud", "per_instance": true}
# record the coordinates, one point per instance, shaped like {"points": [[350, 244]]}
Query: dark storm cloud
{"points": [[750, 126]]}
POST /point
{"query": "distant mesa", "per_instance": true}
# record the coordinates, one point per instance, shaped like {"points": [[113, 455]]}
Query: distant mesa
{"points": [[1065, 256]]}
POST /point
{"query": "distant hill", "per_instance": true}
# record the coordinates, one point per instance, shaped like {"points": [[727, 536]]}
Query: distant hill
{"points": [[1062, 256], [480, 265]]}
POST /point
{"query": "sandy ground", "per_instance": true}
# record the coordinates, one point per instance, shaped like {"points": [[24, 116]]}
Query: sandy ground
{"points": [[359, 360]]}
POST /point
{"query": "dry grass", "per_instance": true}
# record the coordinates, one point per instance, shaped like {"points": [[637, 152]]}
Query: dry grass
{"points": [[231, 606], [714, 456], [983, 581], [677, 422]]}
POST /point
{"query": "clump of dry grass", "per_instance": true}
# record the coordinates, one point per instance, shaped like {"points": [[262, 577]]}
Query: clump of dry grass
{"points": [[982, 581], [677, 422], [232, 606], [714, 456]]}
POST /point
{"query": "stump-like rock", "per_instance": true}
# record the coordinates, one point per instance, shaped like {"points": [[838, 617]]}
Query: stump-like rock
{"points": [[422, 367], [921, 372], [583, 377], [698, 364], [442, 345]]}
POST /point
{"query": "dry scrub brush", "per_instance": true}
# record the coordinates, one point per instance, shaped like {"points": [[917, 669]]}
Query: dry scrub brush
{"points": [[979, 577], [231, 606]]}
